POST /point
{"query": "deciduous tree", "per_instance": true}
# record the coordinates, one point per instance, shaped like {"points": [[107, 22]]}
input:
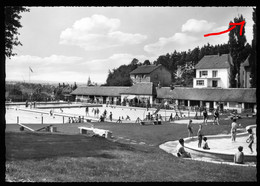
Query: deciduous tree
{"points": [[12, 24]]}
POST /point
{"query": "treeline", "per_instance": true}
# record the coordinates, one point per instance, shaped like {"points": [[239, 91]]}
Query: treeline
{"points": [[22, 91]]}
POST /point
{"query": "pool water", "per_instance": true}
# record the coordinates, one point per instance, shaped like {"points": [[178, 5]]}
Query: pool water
{"points": [[225, 145], [12, 112]]}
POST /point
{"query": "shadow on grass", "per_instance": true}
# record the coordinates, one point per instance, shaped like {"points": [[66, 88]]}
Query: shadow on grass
{"points": [[28, 145]]}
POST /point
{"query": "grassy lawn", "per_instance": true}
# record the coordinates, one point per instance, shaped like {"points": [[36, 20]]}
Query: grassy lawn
{"points": [[46, 157]]}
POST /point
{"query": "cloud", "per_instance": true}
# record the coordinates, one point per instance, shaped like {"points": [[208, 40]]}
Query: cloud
{"points": [[193, 25], [98, 32], [66, 68], [179, 42], [192, 35]]}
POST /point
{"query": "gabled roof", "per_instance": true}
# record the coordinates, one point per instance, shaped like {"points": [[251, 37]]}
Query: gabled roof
{"points": [[246, 95], [67, 90], [214, 62], [145, 69], [246, 62], [142, 88], [99, 90]]}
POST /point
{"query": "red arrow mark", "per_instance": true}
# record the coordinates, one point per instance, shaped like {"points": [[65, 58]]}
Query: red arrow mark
{"points": [[231, 28]]}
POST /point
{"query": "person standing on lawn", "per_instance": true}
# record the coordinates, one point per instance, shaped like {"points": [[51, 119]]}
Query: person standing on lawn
{"points": [[205, 116], [216, 117], [190, 128]]}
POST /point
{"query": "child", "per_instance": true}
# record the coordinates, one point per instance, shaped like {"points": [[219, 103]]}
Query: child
{"points": [[199, 133], [181, 151], [205, 116], [233, 130], [216, 117], [239, 156], [205, 146], [110, 116], [119, 120], [190, 128], [250, 139], [127, 118]]}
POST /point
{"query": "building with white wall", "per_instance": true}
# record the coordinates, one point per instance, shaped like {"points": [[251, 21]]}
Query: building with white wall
{"points": [[213, 71], [239, 99]]}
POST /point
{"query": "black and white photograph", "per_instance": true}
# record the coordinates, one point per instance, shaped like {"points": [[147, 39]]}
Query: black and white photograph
{"points": [[130, 94]]}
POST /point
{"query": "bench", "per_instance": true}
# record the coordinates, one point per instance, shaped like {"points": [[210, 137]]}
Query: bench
{"points": [[100, 132], [146, 122]]}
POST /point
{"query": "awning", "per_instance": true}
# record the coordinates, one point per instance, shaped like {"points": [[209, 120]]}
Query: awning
{"points": [[130, 97], [144, 97]]}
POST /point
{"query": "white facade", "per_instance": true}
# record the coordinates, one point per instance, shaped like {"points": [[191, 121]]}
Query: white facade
{"points": [[211, 78], [146, 97]]}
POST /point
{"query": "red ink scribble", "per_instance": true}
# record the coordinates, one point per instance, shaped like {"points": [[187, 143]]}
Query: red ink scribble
{"points": [[228, 30]]}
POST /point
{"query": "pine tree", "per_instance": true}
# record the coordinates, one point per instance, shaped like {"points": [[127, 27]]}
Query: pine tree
{"points": [[237, 49], [252, 62]]}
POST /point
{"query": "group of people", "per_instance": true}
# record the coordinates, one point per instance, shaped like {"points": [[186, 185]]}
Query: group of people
{"points": [[199, 134], [32, 104], [171, 118], [76, 119], [104, 116], [157, 118], [238, 157], [215, 117]]}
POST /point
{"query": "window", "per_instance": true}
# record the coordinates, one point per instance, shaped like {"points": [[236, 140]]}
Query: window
{"points": [[203, 73], [200, 82], [214, 73]]}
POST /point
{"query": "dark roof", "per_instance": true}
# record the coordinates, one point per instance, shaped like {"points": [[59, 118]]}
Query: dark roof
{"points": [[246, 62], [99, 90], [246, 95], [145, 69], [214, 61], [142, 88]]}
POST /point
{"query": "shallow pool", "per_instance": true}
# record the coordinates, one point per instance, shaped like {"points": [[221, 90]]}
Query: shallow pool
{"points": [[225, 145]]}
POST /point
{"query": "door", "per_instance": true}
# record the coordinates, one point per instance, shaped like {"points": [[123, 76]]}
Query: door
{"points": [[214, 83]]}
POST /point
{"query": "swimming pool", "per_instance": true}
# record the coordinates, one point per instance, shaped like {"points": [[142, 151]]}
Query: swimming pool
{"points": [[28, 115]]}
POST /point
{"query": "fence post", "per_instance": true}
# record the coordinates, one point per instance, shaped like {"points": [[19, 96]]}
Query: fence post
{"points": [[42, 119], [17, 119], [63, 119]]}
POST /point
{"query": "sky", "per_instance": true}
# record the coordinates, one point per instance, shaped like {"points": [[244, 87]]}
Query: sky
{"points": [[72, 44]]}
